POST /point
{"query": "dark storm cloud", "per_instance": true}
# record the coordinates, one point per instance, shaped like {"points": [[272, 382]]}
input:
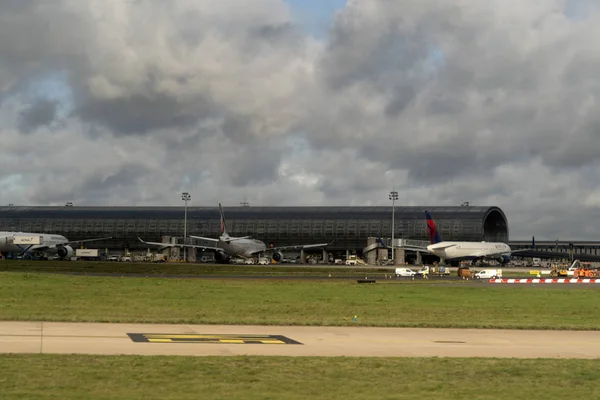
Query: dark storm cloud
{"points": [[236, 127], [90, 188], [356, 181], [139, 114], [125, 177], [275, 33], [37, 37], [10, 6], [40, 113], [445, 105], [401, 97], [256, 165]]}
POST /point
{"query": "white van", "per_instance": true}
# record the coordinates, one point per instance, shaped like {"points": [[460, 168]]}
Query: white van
{"points": [[405, 272], [489, 274]]}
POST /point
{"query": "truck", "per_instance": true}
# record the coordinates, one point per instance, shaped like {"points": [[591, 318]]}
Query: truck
{"points": [[26, 239], [560, 270], [433, 271], [354, 260], [583, 270], [155, 257], [86, 253], [577, 270]]}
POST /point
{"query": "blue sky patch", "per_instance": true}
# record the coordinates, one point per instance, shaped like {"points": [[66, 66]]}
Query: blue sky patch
{"points": [[315, 16]]}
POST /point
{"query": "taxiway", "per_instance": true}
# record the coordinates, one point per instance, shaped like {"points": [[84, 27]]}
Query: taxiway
{"points": [[354, 341]]}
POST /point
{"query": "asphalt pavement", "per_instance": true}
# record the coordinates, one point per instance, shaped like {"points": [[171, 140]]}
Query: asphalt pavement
{"points": [[353, 341]]}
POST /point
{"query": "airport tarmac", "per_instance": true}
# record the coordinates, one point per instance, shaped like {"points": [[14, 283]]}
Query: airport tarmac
{"points": [[229, 340]]}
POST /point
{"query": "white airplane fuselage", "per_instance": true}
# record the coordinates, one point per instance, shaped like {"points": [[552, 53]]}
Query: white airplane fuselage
{"points": [[51, 240], [242, 247], [469, 250]]}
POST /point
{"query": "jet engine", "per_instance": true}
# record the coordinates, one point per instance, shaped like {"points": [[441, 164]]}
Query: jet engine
{"points": [[65, 252], [504, 260], [277, 256], [221, 257]]}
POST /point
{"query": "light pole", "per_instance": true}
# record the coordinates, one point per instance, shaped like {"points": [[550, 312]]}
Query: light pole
{"points": [[185, 196], [393, 198]]}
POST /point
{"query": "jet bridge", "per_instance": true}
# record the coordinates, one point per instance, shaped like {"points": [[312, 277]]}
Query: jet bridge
{"points": [[377, 249]]}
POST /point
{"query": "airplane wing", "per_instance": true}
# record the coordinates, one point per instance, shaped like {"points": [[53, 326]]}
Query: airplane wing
{"points": [[165, 245], [443, 247], [521, 251], [426, 250], [85, 240], [232, 239], [298, 247], [204, 238], [554, 254], [486, 254], [541, 254]]}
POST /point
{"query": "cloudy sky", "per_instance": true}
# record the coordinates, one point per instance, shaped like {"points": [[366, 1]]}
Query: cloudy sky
{"points": [[306, 102]]}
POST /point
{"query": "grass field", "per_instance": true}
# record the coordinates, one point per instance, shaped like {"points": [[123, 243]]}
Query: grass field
{"points": [[205, 269], [185, 269], [30, 296], [164, 378]]}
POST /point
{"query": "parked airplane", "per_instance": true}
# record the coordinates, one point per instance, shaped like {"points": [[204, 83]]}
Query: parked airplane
{"points": [[498, 251], [457, 251], [246, 247], [41, 245]]}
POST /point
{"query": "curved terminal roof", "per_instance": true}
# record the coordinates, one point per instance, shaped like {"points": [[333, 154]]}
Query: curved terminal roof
{"points": [[348, 227], [326, 212]]}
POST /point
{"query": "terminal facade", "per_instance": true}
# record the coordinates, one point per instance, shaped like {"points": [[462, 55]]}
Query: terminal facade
{"points": [[346, 228]]}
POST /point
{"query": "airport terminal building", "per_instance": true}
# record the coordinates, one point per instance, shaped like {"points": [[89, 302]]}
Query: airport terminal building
{"points": [[346, 227]]}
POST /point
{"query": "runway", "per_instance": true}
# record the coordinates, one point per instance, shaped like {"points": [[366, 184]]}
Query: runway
{"points": [[229, 340]]}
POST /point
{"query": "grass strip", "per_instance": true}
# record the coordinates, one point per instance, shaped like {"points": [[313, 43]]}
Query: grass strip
{"points": [[50, 297], [157, 377], [126, 268], [183, 268]]}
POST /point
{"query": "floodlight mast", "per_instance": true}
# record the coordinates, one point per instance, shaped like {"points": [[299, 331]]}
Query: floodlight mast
{"points": [[185, 196], [393, 197]]}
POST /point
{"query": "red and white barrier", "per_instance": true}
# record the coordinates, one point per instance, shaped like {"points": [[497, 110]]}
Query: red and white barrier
{"points": [[538, 280]]}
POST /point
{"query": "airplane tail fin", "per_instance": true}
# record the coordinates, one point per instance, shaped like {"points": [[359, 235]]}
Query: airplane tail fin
{"points": [[223, 227], [434, 235]]}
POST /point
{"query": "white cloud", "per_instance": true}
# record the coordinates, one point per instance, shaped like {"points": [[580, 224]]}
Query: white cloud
{"points": [[488, 102]]}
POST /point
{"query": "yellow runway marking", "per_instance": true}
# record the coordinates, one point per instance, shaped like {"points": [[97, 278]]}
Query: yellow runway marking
{"points": [[213, 338]]}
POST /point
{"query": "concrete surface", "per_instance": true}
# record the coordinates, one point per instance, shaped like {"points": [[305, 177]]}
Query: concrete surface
{"points": [[98, 338]]}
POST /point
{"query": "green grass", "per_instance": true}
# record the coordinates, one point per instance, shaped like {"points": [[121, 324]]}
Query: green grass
{"points": [[48, 297], [184, 268], [248, 378], [206, 269]]}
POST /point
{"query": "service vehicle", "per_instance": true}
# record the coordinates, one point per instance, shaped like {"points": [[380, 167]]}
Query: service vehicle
{"points": [[87, 253], [488, 274], [405, 272], [433, 271]]}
